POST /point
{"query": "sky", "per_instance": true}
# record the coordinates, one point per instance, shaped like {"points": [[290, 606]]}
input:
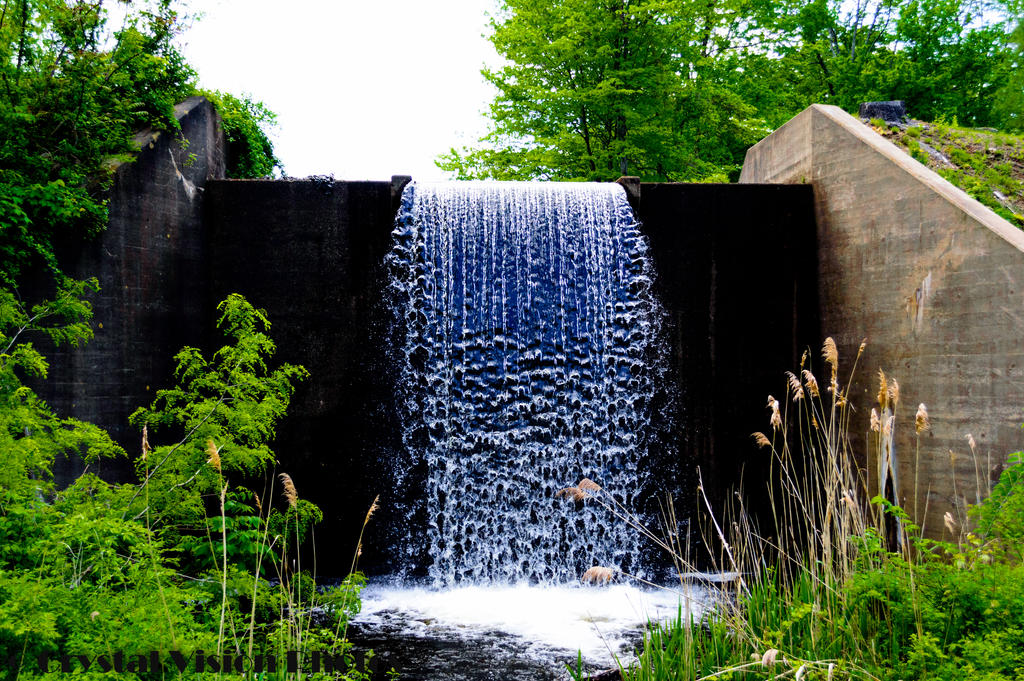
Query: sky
{"points": [[362, 89]]}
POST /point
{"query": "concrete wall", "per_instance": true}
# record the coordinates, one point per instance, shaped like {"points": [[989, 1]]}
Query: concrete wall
{"points": [[735, 270], [151, 266], [311, 254], [932, 279]]}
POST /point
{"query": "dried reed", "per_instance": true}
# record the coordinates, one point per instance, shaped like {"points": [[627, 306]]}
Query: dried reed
{"points": [[598, 575]]}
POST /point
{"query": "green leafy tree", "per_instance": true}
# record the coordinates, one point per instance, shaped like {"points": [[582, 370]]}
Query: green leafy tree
{"points": [[223, 412], [72, 94], [678, 89], [595, 89], [1009, 105], [75, 87], [177, 561], [945, 59], [250, 153]]}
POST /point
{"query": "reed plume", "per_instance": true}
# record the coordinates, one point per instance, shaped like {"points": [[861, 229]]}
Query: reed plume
{"points": [[290, 493], [951, 525], [811, 382], [830, 353], [760, 439], [588, 484], [794, 385], [211, 450], [575, 493], [373, 507], [921, 420], [776, 418], [875, 425], [146, 449], [887, 428], [883, 391], [598, 575], [894, 393]]}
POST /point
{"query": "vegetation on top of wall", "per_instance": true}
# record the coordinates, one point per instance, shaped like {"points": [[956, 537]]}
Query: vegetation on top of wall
{"points": [[75, 88], [245, 121], [987, 164], [73, 92]]}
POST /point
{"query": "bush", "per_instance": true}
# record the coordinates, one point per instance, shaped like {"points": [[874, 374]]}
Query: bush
{"points": [[181, 560]]}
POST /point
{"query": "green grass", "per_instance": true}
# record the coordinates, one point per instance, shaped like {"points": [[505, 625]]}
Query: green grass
{"points": [[981, 162]]}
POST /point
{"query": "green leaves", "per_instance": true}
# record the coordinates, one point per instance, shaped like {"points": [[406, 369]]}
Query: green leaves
{"points": [[73, 92], [31, 435], [1001, 515], [232, 400], [679, 89], [594, 90], [250, 153]]}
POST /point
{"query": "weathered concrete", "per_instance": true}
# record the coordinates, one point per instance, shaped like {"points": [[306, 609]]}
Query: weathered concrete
{"points": [[735, 270], [933, 280], [151, 266], [311, 253]]}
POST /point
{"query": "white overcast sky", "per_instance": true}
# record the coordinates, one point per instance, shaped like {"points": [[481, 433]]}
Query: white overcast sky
{"points": [[363, 89]]}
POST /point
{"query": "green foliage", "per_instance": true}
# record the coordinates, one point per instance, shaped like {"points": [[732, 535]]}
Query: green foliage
{"points": [[73, 91], [1009, 101], [75, 88], [678, 89], [250, 153], [987, 165], [181, 560], [31, 435], [1001, 515], [224, 409], [845, 591], [594, 90]]}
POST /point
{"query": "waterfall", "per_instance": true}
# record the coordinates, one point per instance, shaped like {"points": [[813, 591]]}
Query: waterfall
{"points": [[529, 362]]}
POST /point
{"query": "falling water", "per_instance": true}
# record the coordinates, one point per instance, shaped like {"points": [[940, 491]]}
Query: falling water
{"points": [[529, 336]]}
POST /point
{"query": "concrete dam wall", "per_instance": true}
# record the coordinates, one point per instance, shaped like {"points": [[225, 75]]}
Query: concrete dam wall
{"points": [[933, 280], [750, 275], [310, 252]]}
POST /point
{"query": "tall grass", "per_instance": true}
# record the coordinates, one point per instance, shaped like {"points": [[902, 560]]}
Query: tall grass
{"points": [[840, 583]]}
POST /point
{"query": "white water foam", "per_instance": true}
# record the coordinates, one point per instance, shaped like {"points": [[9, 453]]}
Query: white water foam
{"points": [[602, 623], [529, 363]]}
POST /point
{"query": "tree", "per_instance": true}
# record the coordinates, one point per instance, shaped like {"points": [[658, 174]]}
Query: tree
{"points": [[945, 58], [595, 89], [1009, 105], [678, 89], [74, 90], [72, 94]]}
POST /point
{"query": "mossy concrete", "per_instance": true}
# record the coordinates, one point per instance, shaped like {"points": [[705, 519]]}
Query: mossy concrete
{"points": [[933, 280], [151, 265]]}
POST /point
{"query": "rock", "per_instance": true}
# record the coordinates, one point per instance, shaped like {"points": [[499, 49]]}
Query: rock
{"points": [[894, 112]]}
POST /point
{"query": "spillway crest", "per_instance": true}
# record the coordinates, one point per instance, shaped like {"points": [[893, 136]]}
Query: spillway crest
{"points": [[528, 363]]}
